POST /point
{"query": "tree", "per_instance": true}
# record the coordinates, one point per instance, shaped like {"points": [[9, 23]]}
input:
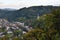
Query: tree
{"points": [[56, 14], [35, 34], [17, 32], [49, 23], [40, 34]]}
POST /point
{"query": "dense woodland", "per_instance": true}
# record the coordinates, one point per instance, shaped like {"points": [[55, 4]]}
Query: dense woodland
{"points": [[46, 27]]}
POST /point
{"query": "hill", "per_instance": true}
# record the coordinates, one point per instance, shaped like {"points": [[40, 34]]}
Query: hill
{"points": [[26, 13]]}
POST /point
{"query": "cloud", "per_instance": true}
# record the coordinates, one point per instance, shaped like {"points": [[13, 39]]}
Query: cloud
{"points": [[15, 6], [26, 3], [1, 3]]}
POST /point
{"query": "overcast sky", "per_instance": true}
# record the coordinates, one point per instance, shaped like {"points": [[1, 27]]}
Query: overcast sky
{"points": [[26, 3]]}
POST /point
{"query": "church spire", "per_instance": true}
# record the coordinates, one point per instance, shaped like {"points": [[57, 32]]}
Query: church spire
{"points": [[38, 16]]}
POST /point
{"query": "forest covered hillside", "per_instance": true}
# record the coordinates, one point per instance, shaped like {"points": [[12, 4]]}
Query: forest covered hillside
{"points": [[32, 23], [25, 13]]}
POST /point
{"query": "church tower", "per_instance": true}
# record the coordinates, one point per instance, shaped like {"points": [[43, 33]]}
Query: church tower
{"points": [[38, 16]]}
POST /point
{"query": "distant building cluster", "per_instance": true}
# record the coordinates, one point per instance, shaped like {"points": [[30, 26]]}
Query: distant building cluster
{"points": [[11, 27]]}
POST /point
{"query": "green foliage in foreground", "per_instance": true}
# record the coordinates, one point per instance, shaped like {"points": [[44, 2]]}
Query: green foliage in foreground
{"points": [[47, 27], [39, 34]]}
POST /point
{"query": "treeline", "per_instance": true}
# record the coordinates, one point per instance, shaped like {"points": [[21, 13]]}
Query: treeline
{"points": [[47, 27], [26, 13]]}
